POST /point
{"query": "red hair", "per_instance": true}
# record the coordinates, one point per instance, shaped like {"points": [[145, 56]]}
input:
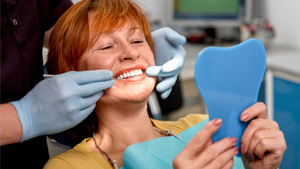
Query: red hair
{"points": [[78, 27]]}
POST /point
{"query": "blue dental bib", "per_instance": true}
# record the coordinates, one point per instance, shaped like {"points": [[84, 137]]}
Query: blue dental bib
{"points": [[229, 79], [159, 153]]}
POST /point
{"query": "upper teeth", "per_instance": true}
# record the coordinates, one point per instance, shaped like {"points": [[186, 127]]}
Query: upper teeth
{"points": [[136, 72]]}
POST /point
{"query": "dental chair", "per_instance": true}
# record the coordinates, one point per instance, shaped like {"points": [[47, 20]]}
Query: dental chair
{"points": [[158, 107]]}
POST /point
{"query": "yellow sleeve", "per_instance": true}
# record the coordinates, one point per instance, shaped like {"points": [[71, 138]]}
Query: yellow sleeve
{"points": [[57, 162], [182, 124], [78, 157]]}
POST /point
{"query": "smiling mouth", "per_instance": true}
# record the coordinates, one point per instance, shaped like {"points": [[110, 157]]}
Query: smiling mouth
{"points": [[132, 73]]}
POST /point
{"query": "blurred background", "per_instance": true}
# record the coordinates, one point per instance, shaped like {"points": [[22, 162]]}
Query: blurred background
{"points": [[226, 23]]}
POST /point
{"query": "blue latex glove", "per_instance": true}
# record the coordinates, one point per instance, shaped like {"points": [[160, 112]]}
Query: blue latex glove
{"points": [[169, 59], [59, 103]]}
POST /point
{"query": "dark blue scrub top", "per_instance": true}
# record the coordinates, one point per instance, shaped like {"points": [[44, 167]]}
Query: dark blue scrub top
{"points": [[23, 24]]}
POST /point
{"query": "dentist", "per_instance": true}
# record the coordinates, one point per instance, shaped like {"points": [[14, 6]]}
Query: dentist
{"points": [[32, 107]]}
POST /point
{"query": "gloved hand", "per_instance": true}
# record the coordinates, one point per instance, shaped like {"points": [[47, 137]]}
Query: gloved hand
{"points": [[59, 103], [169, 59]]}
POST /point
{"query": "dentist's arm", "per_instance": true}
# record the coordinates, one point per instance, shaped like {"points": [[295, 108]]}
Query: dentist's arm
{"points": [[10, 125], [54, 105], [169, 59]]}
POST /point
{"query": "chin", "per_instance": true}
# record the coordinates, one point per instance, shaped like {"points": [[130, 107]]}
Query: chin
{"points": [[137, 96], [129, 92]]}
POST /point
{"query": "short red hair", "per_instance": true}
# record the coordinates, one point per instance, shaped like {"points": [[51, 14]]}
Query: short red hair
{"points": [[72, 33]]}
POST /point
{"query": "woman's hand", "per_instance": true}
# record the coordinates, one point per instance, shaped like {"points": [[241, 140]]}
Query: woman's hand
{"points": [[262, 143], [200, 152]]}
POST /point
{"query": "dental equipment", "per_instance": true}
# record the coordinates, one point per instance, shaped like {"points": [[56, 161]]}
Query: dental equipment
{"points": [[229, 79], [52, 75]]}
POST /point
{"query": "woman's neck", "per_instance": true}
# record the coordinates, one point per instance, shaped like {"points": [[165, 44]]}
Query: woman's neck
{"points": [[124, 120], [122, 125]]}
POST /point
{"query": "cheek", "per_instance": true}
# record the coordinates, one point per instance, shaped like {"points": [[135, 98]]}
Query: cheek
{"points": [[95, 63], [150, 58], [152, 62]]}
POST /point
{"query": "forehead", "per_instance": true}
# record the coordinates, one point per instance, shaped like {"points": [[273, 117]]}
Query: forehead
{"points": [[97, 22], [99, 26]]}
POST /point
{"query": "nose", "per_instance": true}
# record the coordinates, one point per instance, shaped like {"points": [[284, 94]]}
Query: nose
{"points": [[129, 52]]}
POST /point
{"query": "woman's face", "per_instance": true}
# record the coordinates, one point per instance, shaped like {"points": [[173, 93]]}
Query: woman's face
{"points": [[127, 54]]}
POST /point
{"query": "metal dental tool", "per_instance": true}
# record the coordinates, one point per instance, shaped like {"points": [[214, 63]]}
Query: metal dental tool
{"points": [[51, 75]]}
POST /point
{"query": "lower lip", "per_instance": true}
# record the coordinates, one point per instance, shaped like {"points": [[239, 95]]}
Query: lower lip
{"points": [[134, 78]]}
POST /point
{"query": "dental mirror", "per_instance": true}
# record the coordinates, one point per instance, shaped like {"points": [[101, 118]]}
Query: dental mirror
{"points": [[228, 79]]}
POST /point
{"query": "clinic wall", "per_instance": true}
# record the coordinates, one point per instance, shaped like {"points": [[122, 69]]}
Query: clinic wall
{"points": [[157, 9], [284, 16]]}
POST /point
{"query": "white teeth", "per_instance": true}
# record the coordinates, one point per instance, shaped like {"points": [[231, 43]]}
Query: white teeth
{"points": [[132, 73]]}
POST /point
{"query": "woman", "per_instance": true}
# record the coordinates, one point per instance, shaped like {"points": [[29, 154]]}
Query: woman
{"points": [[118, 38]]}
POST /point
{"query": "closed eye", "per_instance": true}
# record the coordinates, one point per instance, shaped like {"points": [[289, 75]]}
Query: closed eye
{"points": [[106, 47], [138, 41]]}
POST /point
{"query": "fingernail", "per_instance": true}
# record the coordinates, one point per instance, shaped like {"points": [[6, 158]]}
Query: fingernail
{"points": [[235, 149], [244, 117], [242, 149], [233, 140], [217, 122]]}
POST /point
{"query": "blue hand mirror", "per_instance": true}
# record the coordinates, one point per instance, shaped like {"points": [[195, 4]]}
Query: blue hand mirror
{"points": [[229, 78]]}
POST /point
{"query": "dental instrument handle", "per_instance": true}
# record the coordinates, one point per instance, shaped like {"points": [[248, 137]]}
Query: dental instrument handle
{"points": [[52, 75], [48, 75]]}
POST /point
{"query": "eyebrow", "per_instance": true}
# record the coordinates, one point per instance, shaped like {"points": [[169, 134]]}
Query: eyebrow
{"points": [[134, 28], [98, 35]]}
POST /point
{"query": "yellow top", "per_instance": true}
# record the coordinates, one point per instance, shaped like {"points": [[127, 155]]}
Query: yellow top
{"points": [[81, 156]]}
